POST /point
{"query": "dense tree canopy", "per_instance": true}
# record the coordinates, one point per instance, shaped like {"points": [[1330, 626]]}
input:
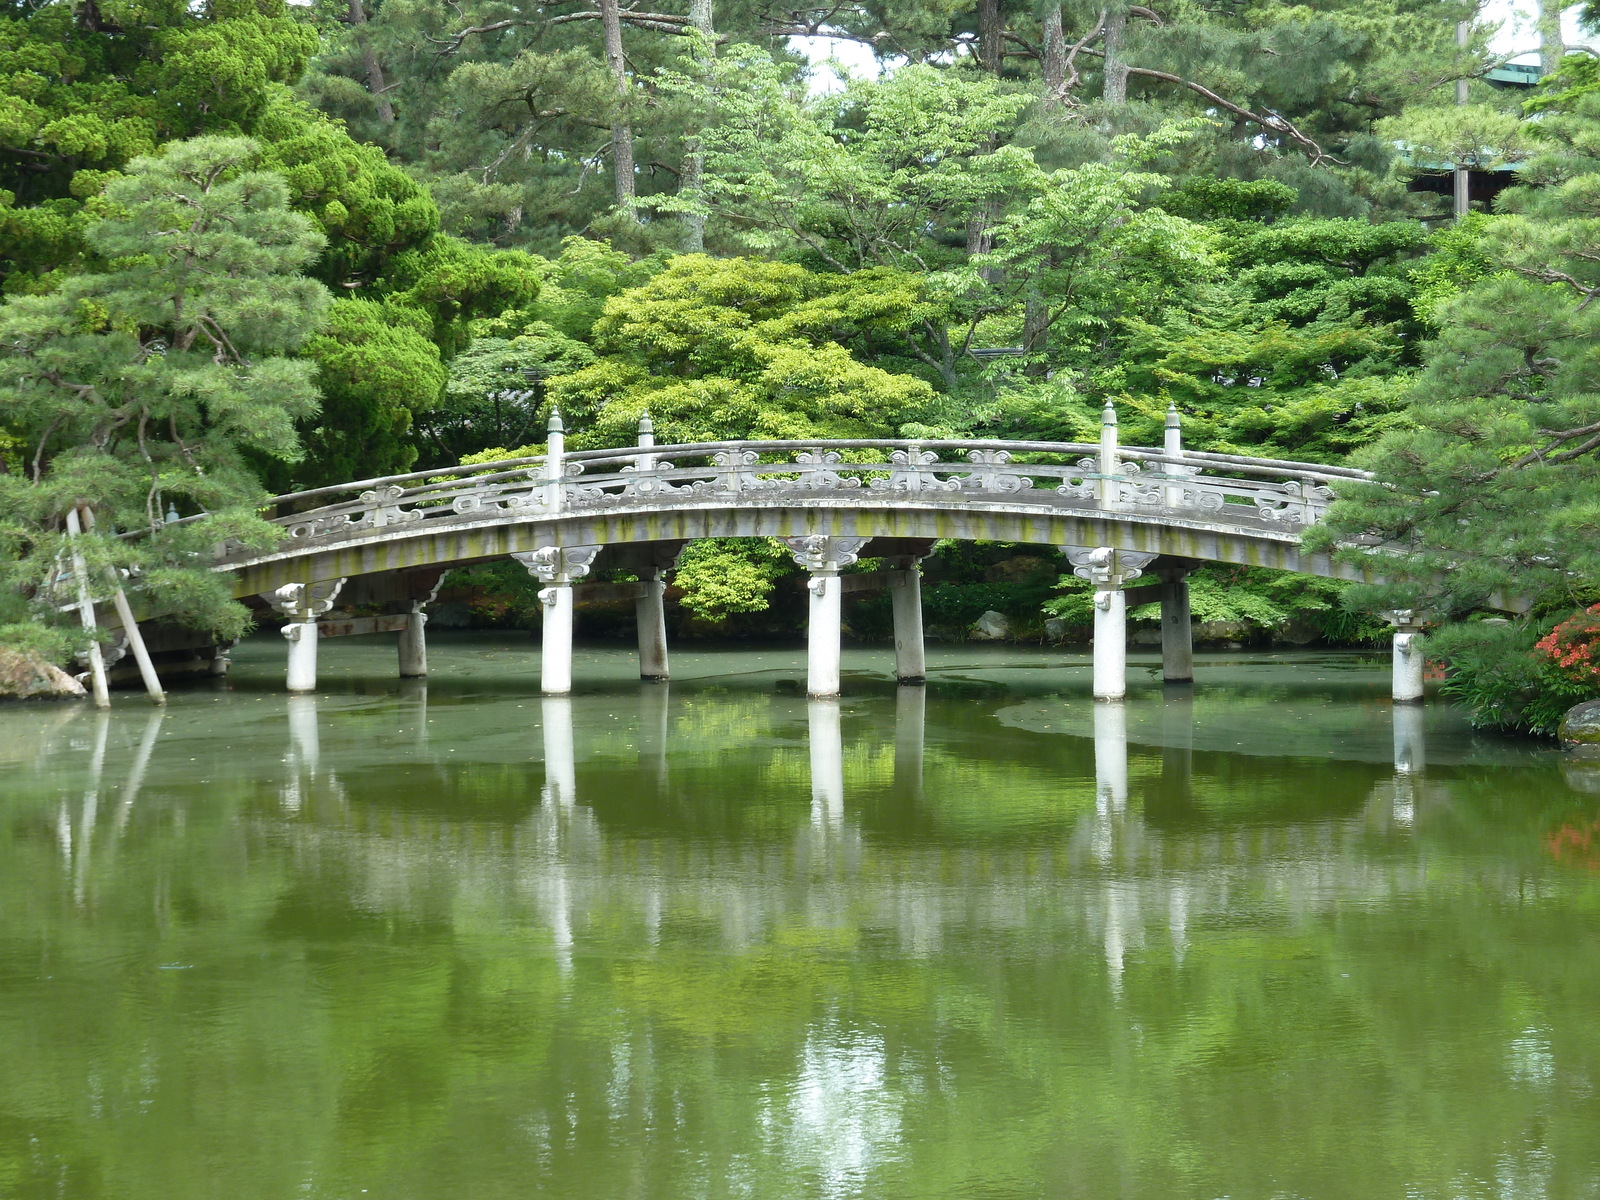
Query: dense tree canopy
{"points": [[480, 211]]}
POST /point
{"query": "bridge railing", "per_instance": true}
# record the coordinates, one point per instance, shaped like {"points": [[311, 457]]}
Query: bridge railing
{"points": [[1169, 481]]}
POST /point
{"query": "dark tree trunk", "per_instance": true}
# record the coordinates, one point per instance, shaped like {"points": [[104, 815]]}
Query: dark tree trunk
{"points": [[621, 123], [694, 164], [1115, 89], [991, 36], [369, 61], [1055, 52]]}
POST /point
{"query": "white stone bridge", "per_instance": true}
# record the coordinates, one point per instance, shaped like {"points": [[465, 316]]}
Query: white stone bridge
{"points": [[1118, 513]]}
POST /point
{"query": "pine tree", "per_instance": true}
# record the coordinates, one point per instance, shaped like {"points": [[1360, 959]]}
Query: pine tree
{"points": [[1497, 487], [148, 384]]}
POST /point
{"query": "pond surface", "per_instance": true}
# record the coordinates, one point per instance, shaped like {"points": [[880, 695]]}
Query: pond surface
{"points": [[1268, 937]]}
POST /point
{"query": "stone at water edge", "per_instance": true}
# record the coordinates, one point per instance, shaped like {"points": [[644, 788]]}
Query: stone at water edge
{"points": [[1580, 729], [990, 627], [27, 676]]}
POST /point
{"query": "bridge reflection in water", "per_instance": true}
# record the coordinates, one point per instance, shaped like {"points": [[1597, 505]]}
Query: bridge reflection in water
{"points": [[742, 893], [1131, 869]]}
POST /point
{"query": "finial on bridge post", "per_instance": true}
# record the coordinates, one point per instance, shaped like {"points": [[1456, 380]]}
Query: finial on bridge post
{"points": [[647, 439], [1172, 495], [1108, 456], [554, 466]]}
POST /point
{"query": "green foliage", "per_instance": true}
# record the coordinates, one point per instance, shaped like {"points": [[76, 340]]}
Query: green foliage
{"points": [[721, 576], [1258, 599], [89, 88], [1459, 259], [1201, 199], [377, 365], [155, 380], [731, 348], [1495, 674], [1491, 487], [369, 209], [877, 174]]}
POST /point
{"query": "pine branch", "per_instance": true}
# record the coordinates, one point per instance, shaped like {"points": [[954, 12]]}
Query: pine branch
{"points": [[1276, 122], [658, 22], [1591, 434]]}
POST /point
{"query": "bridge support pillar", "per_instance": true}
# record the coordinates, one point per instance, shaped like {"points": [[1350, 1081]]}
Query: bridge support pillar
{"points": [[413, 639], [1108, 569], [1407, 662], [302, 637], [824, 556], [556, 567], [822, 635], [1177, 631], [413, 644], [303, 603], [910, 656], [555, 650], [651, 611]]}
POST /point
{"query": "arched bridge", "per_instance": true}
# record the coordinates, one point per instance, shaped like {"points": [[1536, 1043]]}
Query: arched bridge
{"points": [[381, 546], [1117, 512]]}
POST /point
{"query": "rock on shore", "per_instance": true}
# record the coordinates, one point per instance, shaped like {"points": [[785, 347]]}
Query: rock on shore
{"points": [[27, 676], [1580, 729]]}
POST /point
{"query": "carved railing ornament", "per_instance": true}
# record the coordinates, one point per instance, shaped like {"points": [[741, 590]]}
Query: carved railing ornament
{"points": [[909, 472], [1247, 494], [735, 474], [382, 510], [647, 482], [1140, 489], [990, 475], [317, 525], [1079, 484], [817, 471], [1294, 502]]}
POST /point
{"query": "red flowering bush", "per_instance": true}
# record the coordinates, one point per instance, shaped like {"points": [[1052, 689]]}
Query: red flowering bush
{"points": [[1571, 647]]}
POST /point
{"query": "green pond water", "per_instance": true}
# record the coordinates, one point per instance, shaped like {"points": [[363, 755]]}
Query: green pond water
{"points": [[1268, 937]]}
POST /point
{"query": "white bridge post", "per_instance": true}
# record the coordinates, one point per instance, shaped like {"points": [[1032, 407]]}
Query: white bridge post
{"points": [[555, 652], [554, 462], [413, 639], [1110, 471], [1108, 569], [822, 634], [556, 567], [1177, 630], [1407, 659], [302, 604], [413, 645], [905, 596], [650, 610], [824, 556]]}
